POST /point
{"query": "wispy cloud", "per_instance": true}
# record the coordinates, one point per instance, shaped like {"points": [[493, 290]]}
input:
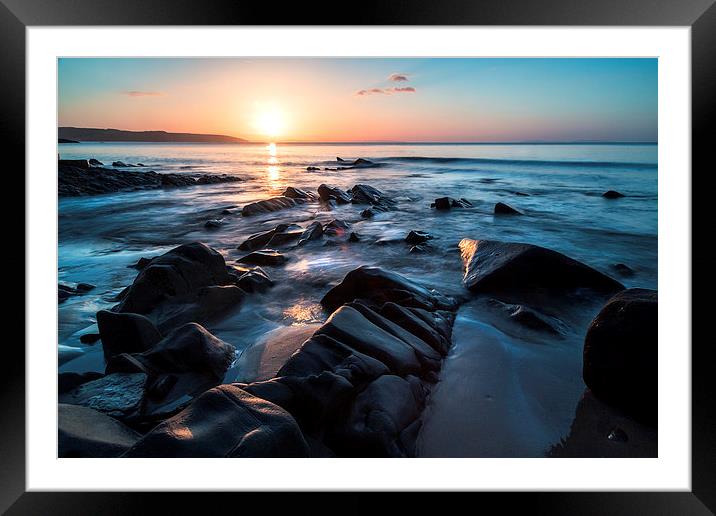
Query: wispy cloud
{"points": [[135, 93], [397, 77], [385, 91]]}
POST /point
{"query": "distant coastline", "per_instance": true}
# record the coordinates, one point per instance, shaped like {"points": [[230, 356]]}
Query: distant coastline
{"points": [[85, 134]]}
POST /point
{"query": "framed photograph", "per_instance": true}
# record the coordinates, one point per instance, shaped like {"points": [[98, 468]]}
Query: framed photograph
{"points": [[419, 252]]}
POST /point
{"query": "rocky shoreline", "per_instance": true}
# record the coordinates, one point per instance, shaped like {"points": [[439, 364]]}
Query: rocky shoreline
{"points": [[89, 177], [358, 385]]}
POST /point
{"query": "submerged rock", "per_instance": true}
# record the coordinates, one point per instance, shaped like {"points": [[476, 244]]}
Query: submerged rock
{"points": [[314, 231], [505, 209], [417, 237], [268, 205], [354, 237], [297, 193], [84, 432], [95, 162], [259, 240], [612, 194], [75, 179], [492, 266], [527, 317], [446, 203], [381, 286], [328, 193], [621, 353], [225, 421], [255, 280], [264, 257], [213, 223]]}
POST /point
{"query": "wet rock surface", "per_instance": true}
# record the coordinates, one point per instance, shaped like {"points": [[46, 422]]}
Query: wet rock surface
{"points": [[264, 257], [84, 432], [492, 266], [77, 179], [505, 209], [269, 205], [612, 194], [621, 353], [188, 283], [225, 421], [358, 384]]}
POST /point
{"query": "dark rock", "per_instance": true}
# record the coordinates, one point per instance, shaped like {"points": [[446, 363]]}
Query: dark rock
{"points": [[621, 353], [428, 357], [310, 169], [255, 280], [89, 338], [183, 270], [95, 162], [268, 205], [314, 231], [416, 325], [297, 193], [225, 421], [349, 326], [126, 332], [84, 432], [366, 194], [213, 223], [118, 395], [623, 270], [612, 194], [446, 203], [528, 318], [264, 257], [76, 179], [354, 237], [417, 237], [377, 417], [186, 362], [119, 164], [324, 353], [84, 287], [141, 263], [382, 286], [504, 209], [215, 179], [66, 140], [68, 381], [335, 227], [328, 193], [77, 163], [259, 240], [492, 266]]}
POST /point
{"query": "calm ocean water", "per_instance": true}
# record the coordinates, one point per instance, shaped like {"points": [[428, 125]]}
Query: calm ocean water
{"points": [[100, 236]]}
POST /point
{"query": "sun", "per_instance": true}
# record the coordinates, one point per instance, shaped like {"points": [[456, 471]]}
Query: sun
{"points": [[270, 123]]}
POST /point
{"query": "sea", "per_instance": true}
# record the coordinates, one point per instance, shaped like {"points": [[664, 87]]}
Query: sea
{"points": [[530, 389]]}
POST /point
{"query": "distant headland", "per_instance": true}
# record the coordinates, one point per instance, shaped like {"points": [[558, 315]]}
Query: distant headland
{"points": [[84, 134]]}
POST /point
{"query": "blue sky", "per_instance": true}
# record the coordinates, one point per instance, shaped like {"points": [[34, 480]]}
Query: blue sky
{"points": [[435, 99]]}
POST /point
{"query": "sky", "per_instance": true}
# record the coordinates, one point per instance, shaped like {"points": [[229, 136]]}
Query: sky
{"points": [[366, 99]]}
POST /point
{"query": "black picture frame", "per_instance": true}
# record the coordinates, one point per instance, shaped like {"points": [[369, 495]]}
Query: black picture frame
{"points": [[700, 15]]}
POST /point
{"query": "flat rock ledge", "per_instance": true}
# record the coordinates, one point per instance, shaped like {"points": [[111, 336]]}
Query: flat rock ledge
{"points": [[75, 181]]}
